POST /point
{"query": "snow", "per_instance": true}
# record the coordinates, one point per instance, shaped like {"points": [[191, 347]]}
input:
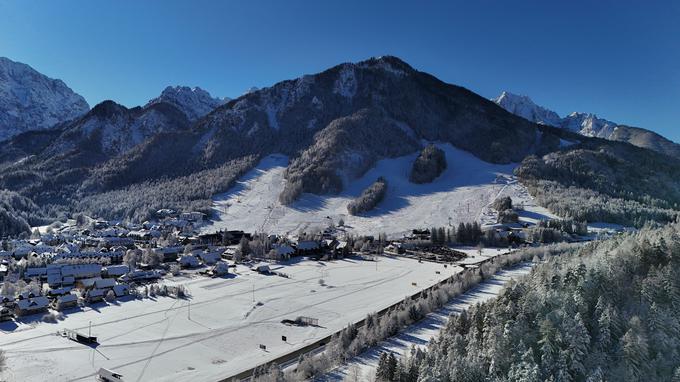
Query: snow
{"points": [[583, 123], [30, 100], [462, 193], [216, 333], [193, 102], [524, 107], [346, 84], [420, 333]]}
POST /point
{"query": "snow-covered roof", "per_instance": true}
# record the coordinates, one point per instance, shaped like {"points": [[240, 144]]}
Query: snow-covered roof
{"points": [[34, 303]]}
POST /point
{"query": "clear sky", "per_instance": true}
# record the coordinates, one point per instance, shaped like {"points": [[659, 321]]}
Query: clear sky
{"points": [[618, 59]]}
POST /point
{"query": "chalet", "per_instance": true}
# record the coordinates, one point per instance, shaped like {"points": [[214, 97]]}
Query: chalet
{"points": [[82, 270], [220, 269], [307, 247], [66, 301], [58, 292], [284, 251], [121, 290], [68, 280], [342, 249], [33, 305], [104, 284], [421, 234], [115, 271], [169, 253], [35, 273], [87, 283], [193, 216], [188, 261], [209, 258], [140, 276], [94, 295], [262, 268], [166, 213], [100, 224]]}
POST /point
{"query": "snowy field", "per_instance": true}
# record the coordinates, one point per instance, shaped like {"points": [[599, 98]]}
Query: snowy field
{"points": [[217, 332], [361, 367], [461, 194]]}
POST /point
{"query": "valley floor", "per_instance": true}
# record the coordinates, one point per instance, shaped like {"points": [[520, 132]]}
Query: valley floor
{"points": [[218, 331]]}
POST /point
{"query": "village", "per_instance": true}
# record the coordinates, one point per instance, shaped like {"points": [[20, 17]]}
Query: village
{"points": [[78, 263], [64, 277]]}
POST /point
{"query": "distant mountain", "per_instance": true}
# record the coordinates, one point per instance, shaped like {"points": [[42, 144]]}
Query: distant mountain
{"points": [[587, 124], [194, 102], [32, 101], [524, 107]]}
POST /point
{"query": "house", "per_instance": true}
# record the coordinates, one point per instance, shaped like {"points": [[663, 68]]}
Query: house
{"points": [[33, 305], [58, 292], [82, 271], [66, 301], [283, 251], [169, 253], [68, 280], [115, 271], [104, 283], [121, 290], [188, 261], [94, 295], [209, 258], [87, 283], [193, 216], [307, 247], [220, 269], [342, 249], [140, 276], [35, 273], [261, 268]]}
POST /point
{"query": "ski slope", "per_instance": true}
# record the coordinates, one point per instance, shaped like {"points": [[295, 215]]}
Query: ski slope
{"points": [[461, 194], [217, 332]]}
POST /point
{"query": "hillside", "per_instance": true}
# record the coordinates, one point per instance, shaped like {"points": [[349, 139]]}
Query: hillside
{"points": [[605, 313]]}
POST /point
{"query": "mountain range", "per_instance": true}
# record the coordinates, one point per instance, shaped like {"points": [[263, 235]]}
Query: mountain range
{"points": [[184, 146], [587, 124], [30, 100]]}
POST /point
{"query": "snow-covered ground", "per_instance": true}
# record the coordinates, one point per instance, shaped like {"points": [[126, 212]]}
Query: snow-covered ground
{"points": [[217, 332], [461, 194], [419, 334]]}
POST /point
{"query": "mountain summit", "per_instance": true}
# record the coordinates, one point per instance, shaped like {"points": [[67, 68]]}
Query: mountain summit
{"points": [[32, 101], [587, 124], [194, 102]]}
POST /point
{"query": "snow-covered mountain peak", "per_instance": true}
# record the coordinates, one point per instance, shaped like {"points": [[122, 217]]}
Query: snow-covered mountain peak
{"points": [[192, 101], [524, 107], [587, 124], [30, 100]]}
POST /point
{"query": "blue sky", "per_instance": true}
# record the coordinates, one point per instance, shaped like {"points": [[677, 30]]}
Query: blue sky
{"points": [[618, 59]]}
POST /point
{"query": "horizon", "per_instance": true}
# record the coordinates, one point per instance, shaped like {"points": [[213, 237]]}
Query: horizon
{"points": [[624, 72]]}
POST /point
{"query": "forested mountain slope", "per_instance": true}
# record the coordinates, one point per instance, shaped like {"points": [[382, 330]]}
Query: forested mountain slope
{"points": [[609, 312]]}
